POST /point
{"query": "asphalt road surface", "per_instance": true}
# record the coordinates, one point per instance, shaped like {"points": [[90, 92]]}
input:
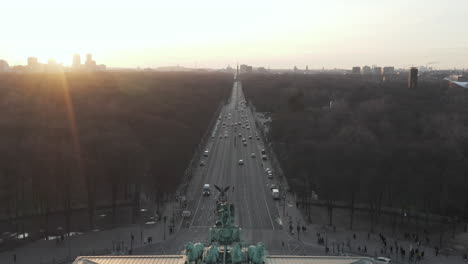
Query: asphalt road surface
{"points": [[250, 190]]}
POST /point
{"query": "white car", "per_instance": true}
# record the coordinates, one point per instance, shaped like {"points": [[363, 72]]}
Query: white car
{"points": [[206, 190], [250, 137], [382, 260], [206, 153], [225, 135], [202, 163], [252, 155], [241, 162]]}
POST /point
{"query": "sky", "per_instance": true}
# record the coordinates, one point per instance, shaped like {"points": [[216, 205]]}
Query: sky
{"points": [[269, 33]]}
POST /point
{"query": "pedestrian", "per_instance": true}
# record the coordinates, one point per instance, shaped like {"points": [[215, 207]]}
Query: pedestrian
{"points": [[465, 258], [14, 258], [354, 236], [62, 237], [368, 235], [282, 243], [365, 249]]}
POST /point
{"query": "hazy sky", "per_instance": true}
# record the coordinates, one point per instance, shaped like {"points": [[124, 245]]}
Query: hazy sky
{"points": [[278, 34]]}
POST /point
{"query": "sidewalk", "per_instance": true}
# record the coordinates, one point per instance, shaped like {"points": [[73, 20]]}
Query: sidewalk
{"points": [[102, 242], [344, 238]]}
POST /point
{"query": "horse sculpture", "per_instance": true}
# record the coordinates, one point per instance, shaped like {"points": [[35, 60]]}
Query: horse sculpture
{"points": [[212, 255], [236, 253], [256, 254], [194, 252]]}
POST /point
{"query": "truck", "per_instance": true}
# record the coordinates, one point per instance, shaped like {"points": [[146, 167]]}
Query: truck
{"points": [[275, 193]]}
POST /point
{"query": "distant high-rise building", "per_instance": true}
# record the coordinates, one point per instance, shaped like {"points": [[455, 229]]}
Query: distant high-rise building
{"points": [[356, 70], [389, 70], [90, 63], [89, 58], [413, 77], [32, 62], [4, 67], [366, 70], [76, 61], [377, 70]]}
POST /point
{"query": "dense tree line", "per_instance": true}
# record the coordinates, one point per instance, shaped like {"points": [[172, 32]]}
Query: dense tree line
{"points": [[83, 140], [360, 140]]}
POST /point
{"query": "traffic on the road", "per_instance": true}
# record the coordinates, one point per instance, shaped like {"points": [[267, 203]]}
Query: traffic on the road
{"points": [[235, 156]]}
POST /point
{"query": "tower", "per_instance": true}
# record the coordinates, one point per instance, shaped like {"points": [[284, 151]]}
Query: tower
{"points": [[76, 61], [413, 78], [89, 58]]}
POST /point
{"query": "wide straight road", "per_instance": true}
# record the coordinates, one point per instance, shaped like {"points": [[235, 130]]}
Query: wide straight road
{"points": [[249, 185]]}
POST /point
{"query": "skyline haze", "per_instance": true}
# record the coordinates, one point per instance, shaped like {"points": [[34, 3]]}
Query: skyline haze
{"points": [[331, 34]]}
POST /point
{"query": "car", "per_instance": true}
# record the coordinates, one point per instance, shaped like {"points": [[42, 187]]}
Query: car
{"points": [[267, 170], [382, 260], [270, 175], [243, 139], [263, 151], [206, 190], [241, 162], [202, 163], [240, 135], [250, 137], [225, 135], [245, 144], [220, 136], [248, 127], [274, 186], [275, 194], [205, 153], [264, 157], [252, 155]]}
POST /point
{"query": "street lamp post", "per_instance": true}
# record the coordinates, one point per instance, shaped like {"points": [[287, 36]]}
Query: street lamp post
{"points": [[164, 220]]}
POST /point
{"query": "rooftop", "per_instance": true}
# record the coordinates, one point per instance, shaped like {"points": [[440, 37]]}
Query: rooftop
{"points": [[180, 259]]}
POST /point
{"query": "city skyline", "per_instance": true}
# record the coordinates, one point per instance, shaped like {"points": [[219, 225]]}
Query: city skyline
{"points": [[332, 34]]}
